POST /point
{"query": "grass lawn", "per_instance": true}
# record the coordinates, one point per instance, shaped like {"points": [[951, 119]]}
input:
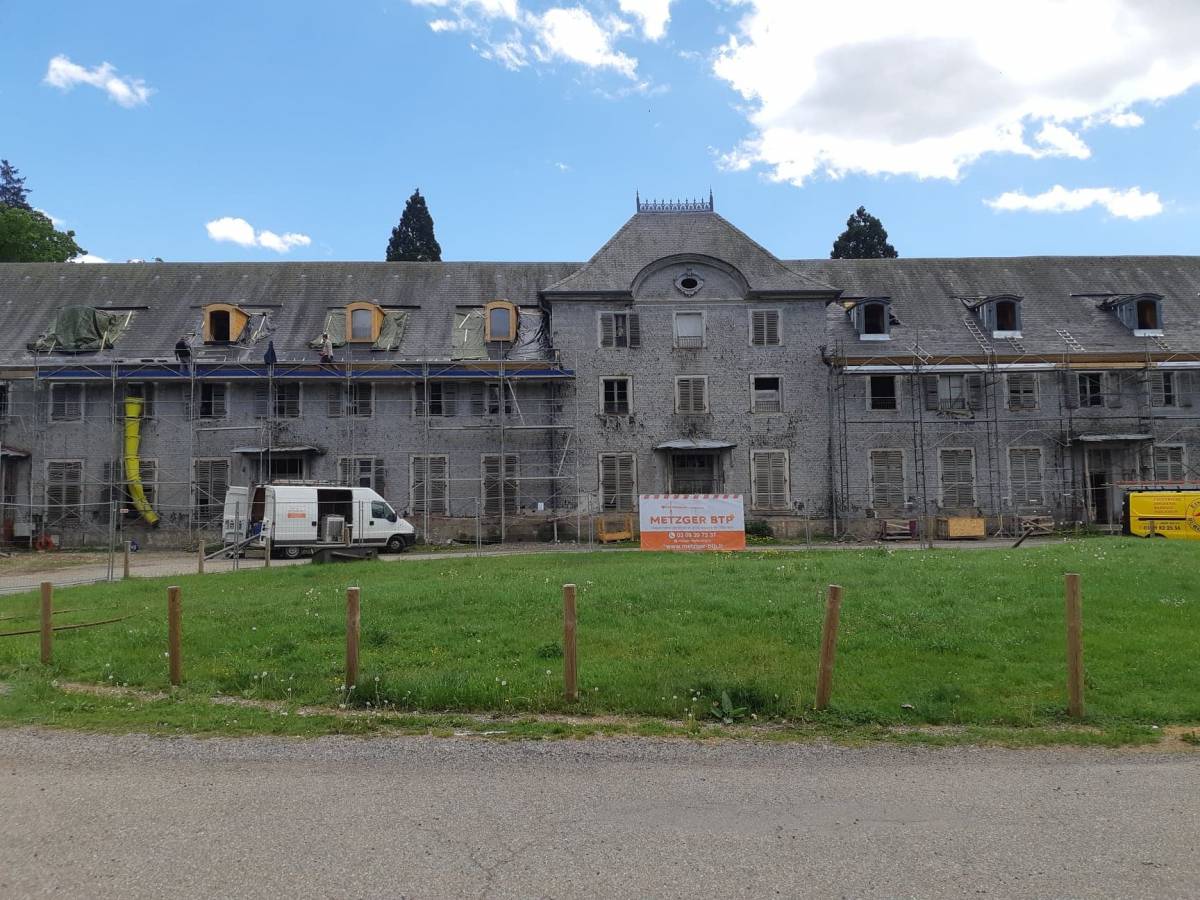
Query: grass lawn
{"points": [[971, 638]]}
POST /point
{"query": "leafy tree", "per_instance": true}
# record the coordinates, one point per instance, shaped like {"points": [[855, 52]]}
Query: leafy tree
{"points": [[864, 238], [412, 240], [12, 187], [29, 236]]}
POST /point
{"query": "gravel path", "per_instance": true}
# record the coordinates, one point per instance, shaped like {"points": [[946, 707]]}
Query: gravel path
{"points": [[130, 816]]}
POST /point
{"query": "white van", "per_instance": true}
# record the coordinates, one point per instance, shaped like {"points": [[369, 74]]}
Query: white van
{"points": [[300, 518]]}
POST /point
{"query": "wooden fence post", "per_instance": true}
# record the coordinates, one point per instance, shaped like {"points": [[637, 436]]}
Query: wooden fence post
{"points": [[126, 569], [833, 606], [570, 673], [47, 627], [200, 559], [1074, 647], [175, 634], [352, 627], [266, 553]]}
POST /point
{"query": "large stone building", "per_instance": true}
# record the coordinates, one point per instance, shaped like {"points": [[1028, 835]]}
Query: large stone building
{"points": [[522, 398]]}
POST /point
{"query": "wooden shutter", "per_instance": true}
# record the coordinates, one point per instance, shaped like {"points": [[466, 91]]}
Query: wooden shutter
{"points": [[769, 479], [379, 476], [690, 395], [1162, 389], [429, 485], [764, 327], [634, 329], [212, 483], [1112, 393], [261, 402], [336, 406], [608, 330], [617, 480], [958, 479], [973, 384], [931, 392], [478, 390], [1168, 464], [64, 492], [500, 487], [1072, 389], [449, 398], [887, 479], [1025, 476], [346, 470]]}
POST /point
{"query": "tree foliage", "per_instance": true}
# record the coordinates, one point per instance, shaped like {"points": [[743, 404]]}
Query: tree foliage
{"points": [[12, 187], [29, 236], [413, 240], [864, 238]]}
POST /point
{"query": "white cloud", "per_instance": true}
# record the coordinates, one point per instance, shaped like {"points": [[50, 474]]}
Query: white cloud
{"points": [[64, 74], [653, 14], [927, 88], [1128, 204], [239, 231], [573, 34]]}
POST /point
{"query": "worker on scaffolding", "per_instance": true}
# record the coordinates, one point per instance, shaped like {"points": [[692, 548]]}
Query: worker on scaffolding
{"points": [[326, 349]]}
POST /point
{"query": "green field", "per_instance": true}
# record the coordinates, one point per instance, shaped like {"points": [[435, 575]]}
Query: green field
{"points": [[972, 637]]}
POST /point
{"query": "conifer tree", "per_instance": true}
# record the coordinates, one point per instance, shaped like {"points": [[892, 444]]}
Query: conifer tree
{"points": [[413, 240], [12, 187], [864, 238]]}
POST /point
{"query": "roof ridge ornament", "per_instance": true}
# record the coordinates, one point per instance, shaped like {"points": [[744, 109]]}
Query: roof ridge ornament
{"points": [[674, 206]]}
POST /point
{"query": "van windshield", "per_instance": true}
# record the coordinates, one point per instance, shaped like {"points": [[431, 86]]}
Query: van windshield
{"points": [[380, 510]]}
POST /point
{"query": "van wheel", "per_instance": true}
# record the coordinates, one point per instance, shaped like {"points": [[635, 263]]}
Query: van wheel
{"points": [[395, 544], [291, 552]]}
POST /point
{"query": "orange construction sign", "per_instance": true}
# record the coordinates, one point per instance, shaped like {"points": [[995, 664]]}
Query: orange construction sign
{"points": [[692, 521]]}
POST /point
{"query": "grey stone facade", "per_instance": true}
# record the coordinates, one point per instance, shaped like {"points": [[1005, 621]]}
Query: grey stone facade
{"points": [[682, 357]]}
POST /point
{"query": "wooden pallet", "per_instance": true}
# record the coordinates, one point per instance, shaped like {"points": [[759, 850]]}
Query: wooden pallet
{"points": [[898, 529]]}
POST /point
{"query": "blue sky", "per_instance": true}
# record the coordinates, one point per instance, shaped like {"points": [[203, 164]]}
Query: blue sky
{"points": [[273, 130]]}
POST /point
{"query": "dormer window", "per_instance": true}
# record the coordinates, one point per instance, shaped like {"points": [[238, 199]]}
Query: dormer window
{"points": [[363, 321], [1140, 313], [872, 319], [1008, 315], [500, 321], [1001, 315], [224, 323]]}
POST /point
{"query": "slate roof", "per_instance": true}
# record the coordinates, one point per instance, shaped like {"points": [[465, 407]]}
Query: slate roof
{"points": [[651, 236], [295, 295], [923, 294]]}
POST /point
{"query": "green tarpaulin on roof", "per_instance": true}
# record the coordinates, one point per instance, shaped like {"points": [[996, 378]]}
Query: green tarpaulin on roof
{"points": [[82, 328], [467, 340], [391, 332]]}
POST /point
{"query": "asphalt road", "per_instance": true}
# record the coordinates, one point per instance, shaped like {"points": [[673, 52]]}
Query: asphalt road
{"points": [[99, 816]]}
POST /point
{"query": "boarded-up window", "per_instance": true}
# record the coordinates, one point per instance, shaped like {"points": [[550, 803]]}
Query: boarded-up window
{"points": [[618, 480], [501, 487], [957, 478], [211, 479], [769, 479], [64, 492], [1168, 463], [764, 327], [691, 394], [362, 471], [429, 485], [1025, 476], [66, 402], [1162, 389], [689, 330], [620, 329], [1022, 390], [887, 479]]}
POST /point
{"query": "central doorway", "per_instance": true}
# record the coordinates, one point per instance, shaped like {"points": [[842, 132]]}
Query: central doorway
{"points": [[695, 473]]}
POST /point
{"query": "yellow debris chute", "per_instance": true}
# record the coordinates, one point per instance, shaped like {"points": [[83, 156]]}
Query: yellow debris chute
{"points": [[133, 469]]}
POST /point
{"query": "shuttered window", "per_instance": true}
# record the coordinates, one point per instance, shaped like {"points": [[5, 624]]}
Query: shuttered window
{"points": [[429, 486], [764, 328], [1091, 388], [64, 492], [689, 330], [887, 479], [953, 392], [957, 478], [620, 329], [500, 486], [769, 479], [1022, 390], [766, 396], [362, 400], [211, 484], [691, 394], [1025, 476], [362, 471], [442, 398], [66, 402], [335, 406], [1168, 463], [213, 402], [618, 480], [615, 396], [287, 401], [1162, 389]]}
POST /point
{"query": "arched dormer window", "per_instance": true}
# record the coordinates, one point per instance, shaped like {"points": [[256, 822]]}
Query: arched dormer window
{"points": [[872, 318], [224, 323], [500, 321], [363, 321], [1001, 315], [1140, 313]]}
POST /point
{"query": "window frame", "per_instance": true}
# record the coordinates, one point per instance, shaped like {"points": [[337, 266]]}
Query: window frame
{"points": [[376, 321], [872, 481], [1182, 448], [1041, 476], [707, 405], [507, 503], [628, 380], [675, 336], [417, 503], [778, 313], [354, 405], [860, 320], [787, 479], [1169, 392], [507, 336], [617, 494], [942, 451], [632, 324], [754, 391], [1009, 394], [377, 475], [273, 402], [219, 503], [148, 397], [1100, 395], [81, 402], [895, 407], [65, 518], [238, 320], [224, 386]]}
